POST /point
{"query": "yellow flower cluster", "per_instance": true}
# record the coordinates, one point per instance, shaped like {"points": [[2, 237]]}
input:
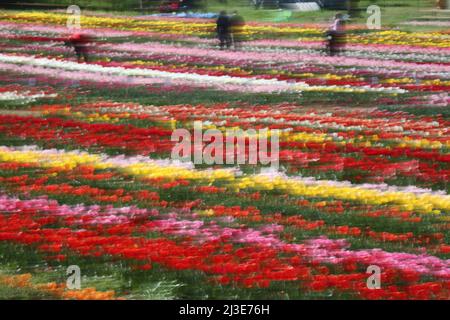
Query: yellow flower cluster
{"points": [[437, 82], [329, 76], [90, 117], [423, 143], [422, 39], [106, 117], [363, 141], [151, 25], [120, 23], [426, 203], [61, 160], [70, 160], [423, 203], [148, 171], [398, 81]]}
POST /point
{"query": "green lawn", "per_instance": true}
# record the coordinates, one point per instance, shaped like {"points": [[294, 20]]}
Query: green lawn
{"points": [[393, 12]]}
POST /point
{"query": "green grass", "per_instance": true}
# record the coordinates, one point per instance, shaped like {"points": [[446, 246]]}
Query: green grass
{"points": [[393, 12], [9, 293]]}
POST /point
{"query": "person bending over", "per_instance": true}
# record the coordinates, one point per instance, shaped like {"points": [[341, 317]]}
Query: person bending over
{"points": [[80, 43]]}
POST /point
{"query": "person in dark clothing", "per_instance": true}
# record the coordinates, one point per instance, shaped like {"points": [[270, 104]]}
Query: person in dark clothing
{"points": [[223, 30], [336, 36], [237, 23], [258, 3], [80, 43]]}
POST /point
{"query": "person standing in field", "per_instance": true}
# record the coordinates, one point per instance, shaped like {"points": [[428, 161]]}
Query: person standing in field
{"points": [[336, 36], [237, 23], [223, 30]]}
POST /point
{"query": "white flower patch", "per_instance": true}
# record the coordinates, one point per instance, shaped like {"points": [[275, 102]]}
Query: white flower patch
{"points": [[221, 82], [24, 96]]}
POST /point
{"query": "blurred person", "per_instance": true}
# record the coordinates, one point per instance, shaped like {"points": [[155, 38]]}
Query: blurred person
{"points": [[80, 42], [336, 36], [223, 30], [442, 4], [237, 24], [169, 6], [258, 3]]}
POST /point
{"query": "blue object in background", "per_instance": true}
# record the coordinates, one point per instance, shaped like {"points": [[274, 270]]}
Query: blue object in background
{"points": [[199, 15], [333, 4]]}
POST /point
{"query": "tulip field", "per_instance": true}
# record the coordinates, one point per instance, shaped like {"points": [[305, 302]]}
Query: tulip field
{"points": [[87, 179]]}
